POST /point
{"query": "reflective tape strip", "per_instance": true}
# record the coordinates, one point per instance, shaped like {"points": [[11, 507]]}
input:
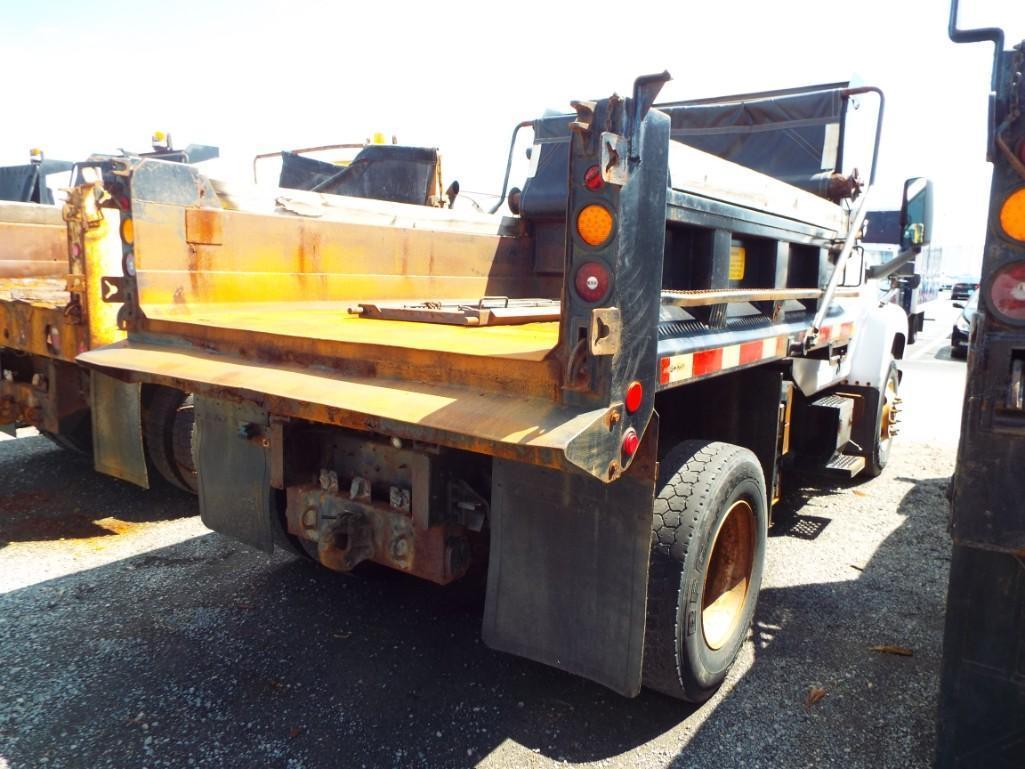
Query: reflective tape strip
{"points": [[836, 334], [691, 365]]}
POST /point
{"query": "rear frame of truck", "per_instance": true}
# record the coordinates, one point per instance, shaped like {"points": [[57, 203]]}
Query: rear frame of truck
{"points": [[335, 416]]}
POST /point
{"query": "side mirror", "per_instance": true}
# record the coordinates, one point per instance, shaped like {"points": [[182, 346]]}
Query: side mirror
{"points": [[959, 305], [916, 213]]}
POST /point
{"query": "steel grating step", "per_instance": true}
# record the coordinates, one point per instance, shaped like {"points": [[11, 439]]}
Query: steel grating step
{"points": [[845, 465]]}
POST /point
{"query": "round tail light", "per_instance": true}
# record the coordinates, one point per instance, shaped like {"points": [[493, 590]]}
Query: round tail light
{"points": [[1007, 292], [592, 281], [634, 396], [1012, 214], [594, 224], [592, 178], [631, 442]]}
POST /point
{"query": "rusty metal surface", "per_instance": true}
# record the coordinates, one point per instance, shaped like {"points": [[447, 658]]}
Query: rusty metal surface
{"points": [[41, 327], [32, 241], [502, 424], [284, 258], [345, 529]]}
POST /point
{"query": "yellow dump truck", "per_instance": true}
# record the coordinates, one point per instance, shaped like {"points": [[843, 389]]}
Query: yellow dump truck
{"points": [[53, 306], [598, 394]]}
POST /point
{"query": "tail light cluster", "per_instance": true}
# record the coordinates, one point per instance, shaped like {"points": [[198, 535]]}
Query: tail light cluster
{"points": [[595, 226], [1007, 286]]}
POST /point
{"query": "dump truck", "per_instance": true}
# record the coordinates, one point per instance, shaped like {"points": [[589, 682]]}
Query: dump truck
{"points": [[598, 395], [52, 308], [982, 689]]}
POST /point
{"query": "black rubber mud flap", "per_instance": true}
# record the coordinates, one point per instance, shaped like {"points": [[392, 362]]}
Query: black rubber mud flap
{"points": [[233, 457], [568, 575], [117, 429]]}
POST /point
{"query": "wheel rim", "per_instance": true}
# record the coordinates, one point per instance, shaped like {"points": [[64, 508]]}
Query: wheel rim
{"points": [[890, 409], [728, 575]]}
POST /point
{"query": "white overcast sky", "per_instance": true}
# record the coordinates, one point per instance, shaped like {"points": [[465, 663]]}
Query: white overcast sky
{"points": [[255, 76]]}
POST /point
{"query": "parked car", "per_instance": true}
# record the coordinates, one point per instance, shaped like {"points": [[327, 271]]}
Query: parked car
{"points": [[963, 327], [963, 290]]}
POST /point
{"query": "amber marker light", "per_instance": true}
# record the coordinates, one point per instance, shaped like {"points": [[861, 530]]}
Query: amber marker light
{"points": [[1012, 214], [594, 224]]}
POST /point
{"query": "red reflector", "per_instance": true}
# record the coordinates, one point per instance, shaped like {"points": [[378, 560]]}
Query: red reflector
{"points": [[751, 352], [1007, 291], [707, 362], [592, 281], [592, 178], [634, 396], [630, 442]]}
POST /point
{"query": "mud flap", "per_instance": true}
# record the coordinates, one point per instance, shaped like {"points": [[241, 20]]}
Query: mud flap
{"points": [[568, 575], [117, 429], [233, 457]]}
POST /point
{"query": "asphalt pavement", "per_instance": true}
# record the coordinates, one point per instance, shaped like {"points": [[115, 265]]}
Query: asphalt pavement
{"points": [[132, 637]]}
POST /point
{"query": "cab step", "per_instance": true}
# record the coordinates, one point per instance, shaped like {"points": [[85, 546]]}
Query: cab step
{"points": [[844, 466]]}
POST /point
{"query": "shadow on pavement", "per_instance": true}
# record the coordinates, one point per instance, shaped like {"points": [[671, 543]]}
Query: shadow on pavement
{"points": [[50, 493], [205, 653], [879, 708]]}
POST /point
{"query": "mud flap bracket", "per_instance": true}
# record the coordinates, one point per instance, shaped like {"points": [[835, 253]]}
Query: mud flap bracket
{"points": [[568, 576]]}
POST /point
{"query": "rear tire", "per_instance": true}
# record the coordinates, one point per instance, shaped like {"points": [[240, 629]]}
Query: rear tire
{"points": [[707, 554], [169, 428]]}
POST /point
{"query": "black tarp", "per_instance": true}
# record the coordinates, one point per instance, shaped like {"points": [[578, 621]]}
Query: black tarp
{"points": [[790, 135], [380, 171], [27, 183]]}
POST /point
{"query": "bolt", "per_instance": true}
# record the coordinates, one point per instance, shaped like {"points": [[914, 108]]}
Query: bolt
{"points": [[309, 520], [396, 442], [400, 548]]}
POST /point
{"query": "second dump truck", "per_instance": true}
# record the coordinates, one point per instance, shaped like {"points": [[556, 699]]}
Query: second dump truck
{"points": [[598, 395]]}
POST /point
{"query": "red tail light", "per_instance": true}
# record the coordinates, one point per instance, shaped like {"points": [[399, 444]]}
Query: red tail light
{"points": [[1007, 291], [631, 441], [592, 178], [634, 396], [592, 281]]}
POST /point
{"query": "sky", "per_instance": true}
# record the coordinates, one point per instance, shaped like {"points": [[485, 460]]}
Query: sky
{"points": [[262, 76]]}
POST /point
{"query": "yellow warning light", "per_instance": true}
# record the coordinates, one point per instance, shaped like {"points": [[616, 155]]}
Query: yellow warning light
{"points": [[35, 154], [1012, 214], [594, 224], [378, 138], [159, 136], [127, 231]]}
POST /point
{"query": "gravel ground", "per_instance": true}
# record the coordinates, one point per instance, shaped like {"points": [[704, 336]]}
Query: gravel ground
{"points": [[131, 637]]}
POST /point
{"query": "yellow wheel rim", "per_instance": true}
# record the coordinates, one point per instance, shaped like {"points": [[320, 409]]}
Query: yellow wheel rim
{"points": [[728, 575]]}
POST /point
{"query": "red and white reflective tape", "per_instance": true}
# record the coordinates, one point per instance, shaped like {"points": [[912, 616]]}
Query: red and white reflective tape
{"points": [[836, 334], [691, 365]]}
